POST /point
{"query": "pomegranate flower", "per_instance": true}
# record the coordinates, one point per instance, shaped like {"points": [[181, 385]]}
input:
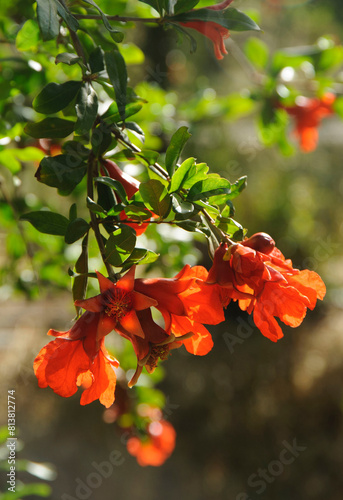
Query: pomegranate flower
{"points": [[308, 114], [272, 287], [186, 302], [156, 446], [77, 358], [212, 30]]}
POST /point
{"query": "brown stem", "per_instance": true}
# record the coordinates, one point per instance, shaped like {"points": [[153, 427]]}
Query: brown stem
{"points": [[124, 19], [91, 173]]}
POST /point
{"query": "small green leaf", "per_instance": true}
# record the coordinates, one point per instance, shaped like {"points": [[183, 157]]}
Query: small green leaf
{"points": [[95, 207], [213, 185], [54, 97], [116, 185], [47, 222], [48, 19], [184, 5], [137, 213], [63, 172], [116, 69], [86, 109], [113, 115], [72, 212], [237, 187], [120, 245], [50, 128], [67, 58], [156, 197], [182, 174], [75, 230], [175, 148], [180, 206]]}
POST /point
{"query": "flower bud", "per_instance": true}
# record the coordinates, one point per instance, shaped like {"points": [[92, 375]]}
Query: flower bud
{"points": [[261, 242]]}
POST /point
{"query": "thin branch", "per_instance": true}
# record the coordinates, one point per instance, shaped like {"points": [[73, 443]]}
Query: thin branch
{"points": [[124, 19], [91, 173]]}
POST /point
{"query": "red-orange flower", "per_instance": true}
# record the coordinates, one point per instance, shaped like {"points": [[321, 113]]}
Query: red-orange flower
{"points": [[186, 302], [79, 355], [272, 287], [77, 358], [308, 113], [131, 186], [212, 30], [157, 445]]}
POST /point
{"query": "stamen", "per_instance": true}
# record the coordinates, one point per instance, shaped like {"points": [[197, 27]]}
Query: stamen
{"points": [[118, 303]]}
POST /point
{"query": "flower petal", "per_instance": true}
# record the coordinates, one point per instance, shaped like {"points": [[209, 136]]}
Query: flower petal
{"points": [[131, 324]]}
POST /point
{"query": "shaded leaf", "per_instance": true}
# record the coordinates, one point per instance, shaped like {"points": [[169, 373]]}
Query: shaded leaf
{"points": [[116, 185], [120, 245], [47, 222], [86, 109], [55, 96], [48, 19], [116, 69], [63, 172], [115, 34], [156, 197], [75, 230], [50, 128]]}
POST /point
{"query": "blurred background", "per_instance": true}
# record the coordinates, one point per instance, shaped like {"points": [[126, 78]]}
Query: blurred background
{"points": [[237, 409]]}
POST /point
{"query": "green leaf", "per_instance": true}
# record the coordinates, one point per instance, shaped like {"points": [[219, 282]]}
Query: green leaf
{"points": [[96, 60], [28, 37], [230, 18], [116, 69], [120, 245], [161, 6], [116, 185], [184, 5], [141, 256], [257, 52], [180, 206], [150, 157], [86, 109], [182, 174], [237, 187], [68, 58], [72, 212], [67, 17], [48, 19], [211, 186], [55, 96], [63, 172], [80, 282], [175, 148], [75, 230], [116, 35], [232, 228], [47, 222], [156, 197], [113, 114], [137, 213], [50, 128], [95, 207]]}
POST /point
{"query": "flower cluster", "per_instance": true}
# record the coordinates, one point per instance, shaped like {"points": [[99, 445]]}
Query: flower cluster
{"points": [[78, 356], [253, 272], [257, 275]]}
